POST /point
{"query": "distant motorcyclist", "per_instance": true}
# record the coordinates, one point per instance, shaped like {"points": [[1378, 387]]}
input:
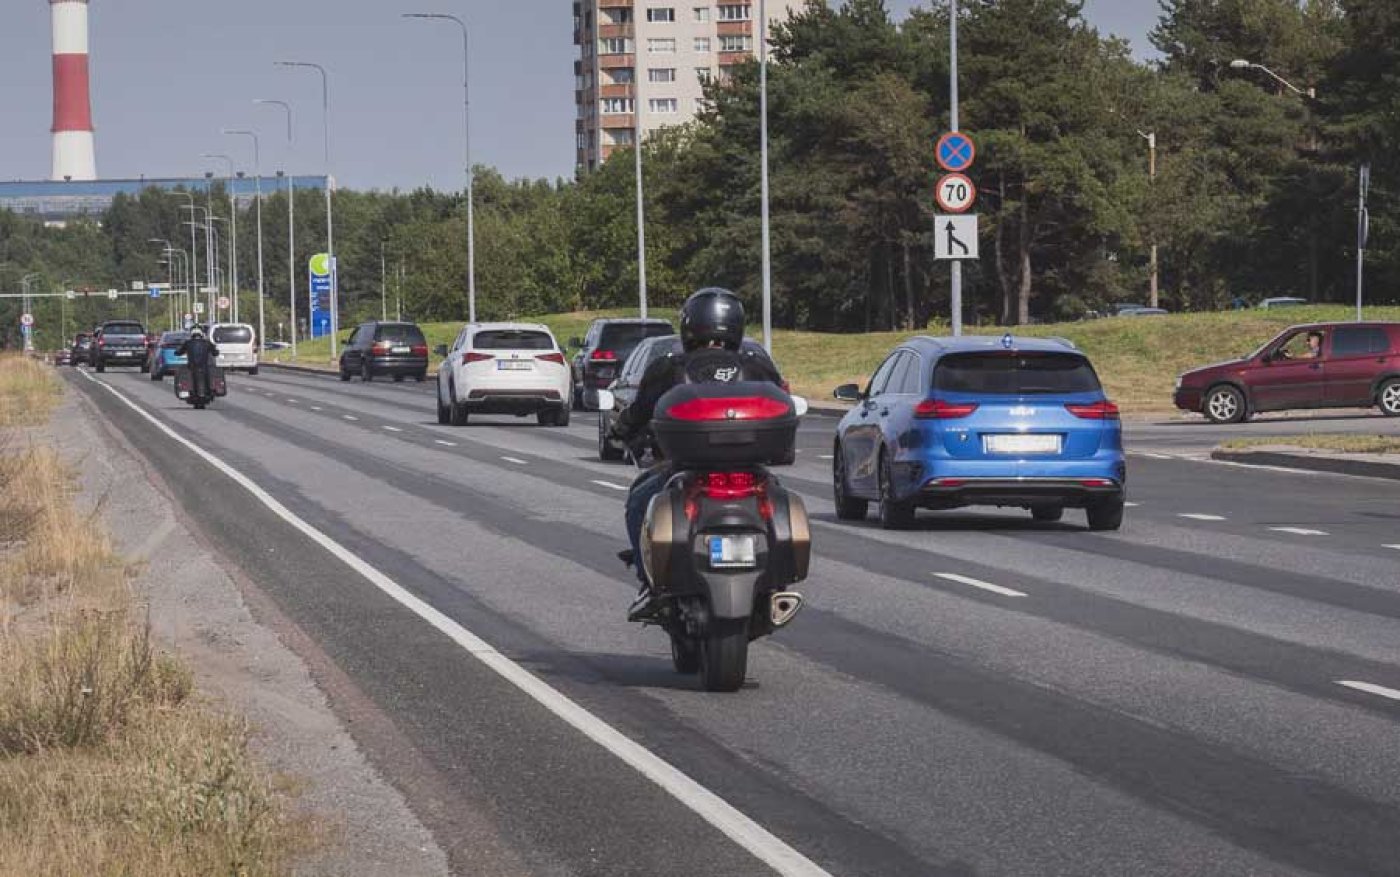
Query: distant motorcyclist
{"points": [[199, 353], [712, 334]]}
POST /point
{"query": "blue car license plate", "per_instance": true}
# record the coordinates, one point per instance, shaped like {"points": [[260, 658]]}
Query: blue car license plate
{"points": [[733, 552]]}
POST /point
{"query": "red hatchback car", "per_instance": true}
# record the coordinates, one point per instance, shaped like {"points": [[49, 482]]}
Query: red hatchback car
{"points": [[1324, 365]]}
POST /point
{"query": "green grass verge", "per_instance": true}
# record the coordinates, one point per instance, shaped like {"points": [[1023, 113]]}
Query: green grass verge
{"points": [[1138, 358], [1340, 444]]}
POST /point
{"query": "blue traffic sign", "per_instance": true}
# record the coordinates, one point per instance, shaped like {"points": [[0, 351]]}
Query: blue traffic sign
{"points": [[955, 152], [155, 292]]}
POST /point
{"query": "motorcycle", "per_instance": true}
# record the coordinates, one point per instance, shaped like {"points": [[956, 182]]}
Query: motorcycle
{"points": [[724, 541], [216, 387]]}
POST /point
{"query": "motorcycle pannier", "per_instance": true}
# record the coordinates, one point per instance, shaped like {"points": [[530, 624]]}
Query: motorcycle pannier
{"points": [[711, 424]]}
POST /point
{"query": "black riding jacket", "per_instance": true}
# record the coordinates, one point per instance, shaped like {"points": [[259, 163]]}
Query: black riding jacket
{"points": [[704, 366], [198, 352]]}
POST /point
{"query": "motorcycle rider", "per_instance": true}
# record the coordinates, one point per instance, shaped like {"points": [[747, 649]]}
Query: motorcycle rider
{"points": [[712, 334], [199, 353]]}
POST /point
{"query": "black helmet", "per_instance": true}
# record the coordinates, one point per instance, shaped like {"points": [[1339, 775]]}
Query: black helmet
{"points": [[710, 316]]}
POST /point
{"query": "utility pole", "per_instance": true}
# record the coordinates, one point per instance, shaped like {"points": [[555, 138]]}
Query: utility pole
{"points": [[1363, 231], [637, 133], [383, 286], [763, 174], [955, 291]]}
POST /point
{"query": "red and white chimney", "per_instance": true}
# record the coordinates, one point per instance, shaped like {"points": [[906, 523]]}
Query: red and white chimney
{"points": [[74, 154]]}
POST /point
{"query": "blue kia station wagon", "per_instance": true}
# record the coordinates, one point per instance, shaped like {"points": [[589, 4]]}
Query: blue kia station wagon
{"points": [[953, 422]]}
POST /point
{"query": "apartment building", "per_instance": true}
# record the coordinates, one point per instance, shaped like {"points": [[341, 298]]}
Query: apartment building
{"points": [[682, 44]]}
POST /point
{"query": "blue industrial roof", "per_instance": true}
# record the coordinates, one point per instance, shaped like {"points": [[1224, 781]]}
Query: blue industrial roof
{"points": [[59, 199]]}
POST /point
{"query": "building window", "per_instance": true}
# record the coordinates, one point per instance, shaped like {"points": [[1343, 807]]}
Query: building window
{"points": [[665, 106], [619, 15], [582, 141], [614, 46], [661, 74], [734, 12], [702, 14], [661, 14], [620, 136], [702, 45], [704, 75], [617, 105], [620, 75], [661, 47], [736, 43]]}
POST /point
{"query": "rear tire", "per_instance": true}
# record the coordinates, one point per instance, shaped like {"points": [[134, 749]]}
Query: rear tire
{"points": [[894, 514], [1048, 513], [724, 654], [100, 367], [398, 379], [685, 654], [1225, 404], [253, 370], [156, 375], [344, 375], [848, 508], [366, 374], [1388, 399], [562, 415], [1105, 514], [421, 377], [444, 415], [457, 412], [606, 452]]}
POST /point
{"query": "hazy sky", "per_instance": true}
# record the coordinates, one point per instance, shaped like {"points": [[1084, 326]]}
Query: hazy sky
{"points": [[168, 75]]}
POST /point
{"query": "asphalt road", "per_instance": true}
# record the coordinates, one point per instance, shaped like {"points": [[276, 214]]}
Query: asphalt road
{"points": [[981, 695]]}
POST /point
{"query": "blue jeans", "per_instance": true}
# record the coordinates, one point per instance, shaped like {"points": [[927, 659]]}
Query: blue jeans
{"points": [[647, 485]]}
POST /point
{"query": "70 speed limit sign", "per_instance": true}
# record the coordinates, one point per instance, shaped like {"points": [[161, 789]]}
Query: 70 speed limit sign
{"points": [[955, 193]]}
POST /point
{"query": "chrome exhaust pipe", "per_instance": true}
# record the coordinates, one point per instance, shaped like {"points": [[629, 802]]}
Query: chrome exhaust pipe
{"points": [[783, 607]]}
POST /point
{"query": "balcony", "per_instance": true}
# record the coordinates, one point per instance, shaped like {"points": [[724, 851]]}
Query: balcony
{"points": [[616, 31], [614, 4], [617, 90], [734, 28], [610, 62], [733, 59], [618, 120]]}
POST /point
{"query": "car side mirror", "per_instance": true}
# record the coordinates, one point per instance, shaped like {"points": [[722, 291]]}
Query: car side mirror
{"points": [[599, 400], [575, 342], [848, 393], [440, 350], [800, 406]]}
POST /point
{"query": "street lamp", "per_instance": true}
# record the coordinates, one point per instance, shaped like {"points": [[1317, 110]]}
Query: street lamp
{"points": [[1242, 64], [291, 225], [257, 183], [467, 108], [233, 230], [194, 252], [330, 222]]}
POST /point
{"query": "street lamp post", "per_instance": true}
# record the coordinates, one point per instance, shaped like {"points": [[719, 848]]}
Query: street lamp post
{"points": [[194, 253], [330, 222], [955, 285], [763, 174], [383, 286], [638, 132], [1242, 64], [233, 231], [467, 109], [291, 225], [257, 188]]}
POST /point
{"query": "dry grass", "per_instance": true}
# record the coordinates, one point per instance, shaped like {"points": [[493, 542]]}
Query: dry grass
{"points": [[108, 763], [1340, 444], [28, 391]]}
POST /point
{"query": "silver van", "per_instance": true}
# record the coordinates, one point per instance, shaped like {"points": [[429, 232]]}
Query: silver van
{"points": [[237, 343]]}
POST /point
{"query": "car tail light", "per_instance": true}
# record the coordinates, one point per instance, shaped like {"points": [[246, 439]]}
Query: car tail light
{"points": [[420, 350], [937, 409], [1096, 482], [101, 342], [381, 347], [603, 356], [948, 482], [472, 356], [750, 408], [552, 357], [1104, 410]]}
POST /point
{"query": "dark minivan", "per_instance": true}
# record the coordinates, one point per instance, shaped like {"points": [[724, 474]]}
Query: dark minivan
{"points": [[604, 351], [1322, 365], [382, 348]]}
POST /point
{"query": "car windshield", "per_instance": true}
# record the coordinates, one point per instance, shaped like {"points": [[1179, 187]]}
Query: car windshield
{"points": [[123, 329], [233, 335], [400, 333], [512, 339], [623, 338], [1015, 374]]}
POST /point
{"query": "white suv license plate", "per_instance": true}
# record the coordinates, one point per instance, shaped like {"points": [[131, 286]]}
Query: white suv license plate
{"points": [[513, 365], [125, 353], [733, 552], [1021, 444], [400, 350]]}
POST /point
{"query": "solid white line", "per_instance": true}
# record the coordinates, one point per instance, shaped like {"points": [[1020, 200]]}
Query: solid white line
{"points": [[1396, 547], [1197, 517], [610, 484], [393, 428], [448, 444], [349, 417], [739, 828], [1299, 531], [516, 460], [978, 583], [1371, 689]]}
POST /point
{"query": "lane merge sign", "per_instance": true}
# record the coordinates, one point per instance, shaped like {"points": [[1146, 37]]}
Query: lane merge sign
{"points": [[955, 237], [955, 193], [955, 152]]}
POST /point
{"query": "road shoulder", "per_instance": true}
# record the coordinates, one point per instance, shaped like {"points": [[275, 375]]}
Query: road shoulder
{"points": [[1293, 457]]}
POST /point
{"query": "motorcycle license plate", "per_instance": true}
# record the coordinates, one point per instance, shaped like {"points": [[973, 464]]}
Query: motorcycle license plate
{"points": [[733, 552], [513, 365]]}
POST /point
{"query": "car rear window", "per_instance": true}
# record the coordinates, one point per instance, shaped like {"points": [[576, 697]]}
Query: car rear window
{"points": [[512, 339], [174, 339], [233, 335], [403, 333], [623, 338], [1015, 374], [123, 329]]}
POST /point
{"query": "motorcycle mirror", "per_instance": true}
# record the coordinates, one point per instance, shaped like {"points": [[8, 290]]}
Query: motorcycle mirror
{"points": [[800, 405]]}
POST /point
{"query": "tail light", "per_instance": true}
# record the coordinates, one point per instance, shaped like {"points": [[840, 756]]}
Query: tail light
{"points": [[937, 409], [948, 482], [420, 350], [603, 356], [748, 408], [557, 358], [1104, 410], [1096, 482], [381, 347], [728, 486], [101, 342], [472, 356]]}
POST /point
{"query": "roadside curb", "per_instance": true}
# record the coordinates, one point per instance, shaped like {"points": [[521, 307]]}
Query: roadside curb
{"points": [[301, 369], [1365, 468]]}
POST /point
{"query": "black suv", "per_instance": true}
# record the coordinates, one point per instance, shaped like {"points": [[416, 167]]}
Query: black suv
{"points": [[81, 347], [119, 343], [376, 348], [604, 350]]}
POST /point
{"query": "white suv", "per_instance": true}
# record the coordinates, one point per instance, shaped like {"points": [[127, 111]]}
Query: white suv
{"points": [[504, 368], [238, 349]]}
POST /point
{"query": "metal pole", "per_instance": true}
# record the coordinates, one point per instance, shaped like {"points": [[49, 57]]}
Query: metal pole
{"points": [[955, 292], [763, 175], [194, 252], [1152, 178], [257, 183], [1363, 227], [637, 134], [383, 287], [330, 220], [292, 257], [232, 236]]}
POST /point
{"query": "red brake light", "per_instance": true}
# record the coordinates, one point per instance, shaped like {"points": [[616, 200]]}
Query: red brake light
{"points": [[730, 485], [382, 347], [937, 409], [1096, 482], [420, 350], [472, 356], [557, 358], [603, 356], [1104, 410], [749, 408]]}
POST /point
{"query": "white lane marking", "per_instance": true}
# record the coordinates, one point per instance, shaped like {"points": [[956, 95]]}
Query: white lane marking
{"points": [[978, 583], [293, 401], [316, 408], [1369, 688], [516, 460], [446, 444], [610, 484], [1299, 531], [1395, 547], [739, 828], [349, 417], [827, 457], [1198, 517], [1131, 505], [1155, 456], [392, 428]]}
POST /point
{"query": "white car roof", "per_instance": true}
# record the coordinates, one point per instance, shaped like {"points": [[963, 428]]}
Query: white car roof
{"points": [[509, 327]]}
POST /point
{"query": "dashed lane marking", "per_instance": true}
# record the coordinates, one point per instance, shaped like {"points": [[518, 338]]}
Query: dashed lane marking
{"points": [[1199, 517], [610, 484], [1369, 688], [292, 401], [349, 417], [1299, 531], [1131, 505], [748, 834], [516, 460], [978, 583], [446, 443], [392, 428], [1156, 456], [316, 408]]}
